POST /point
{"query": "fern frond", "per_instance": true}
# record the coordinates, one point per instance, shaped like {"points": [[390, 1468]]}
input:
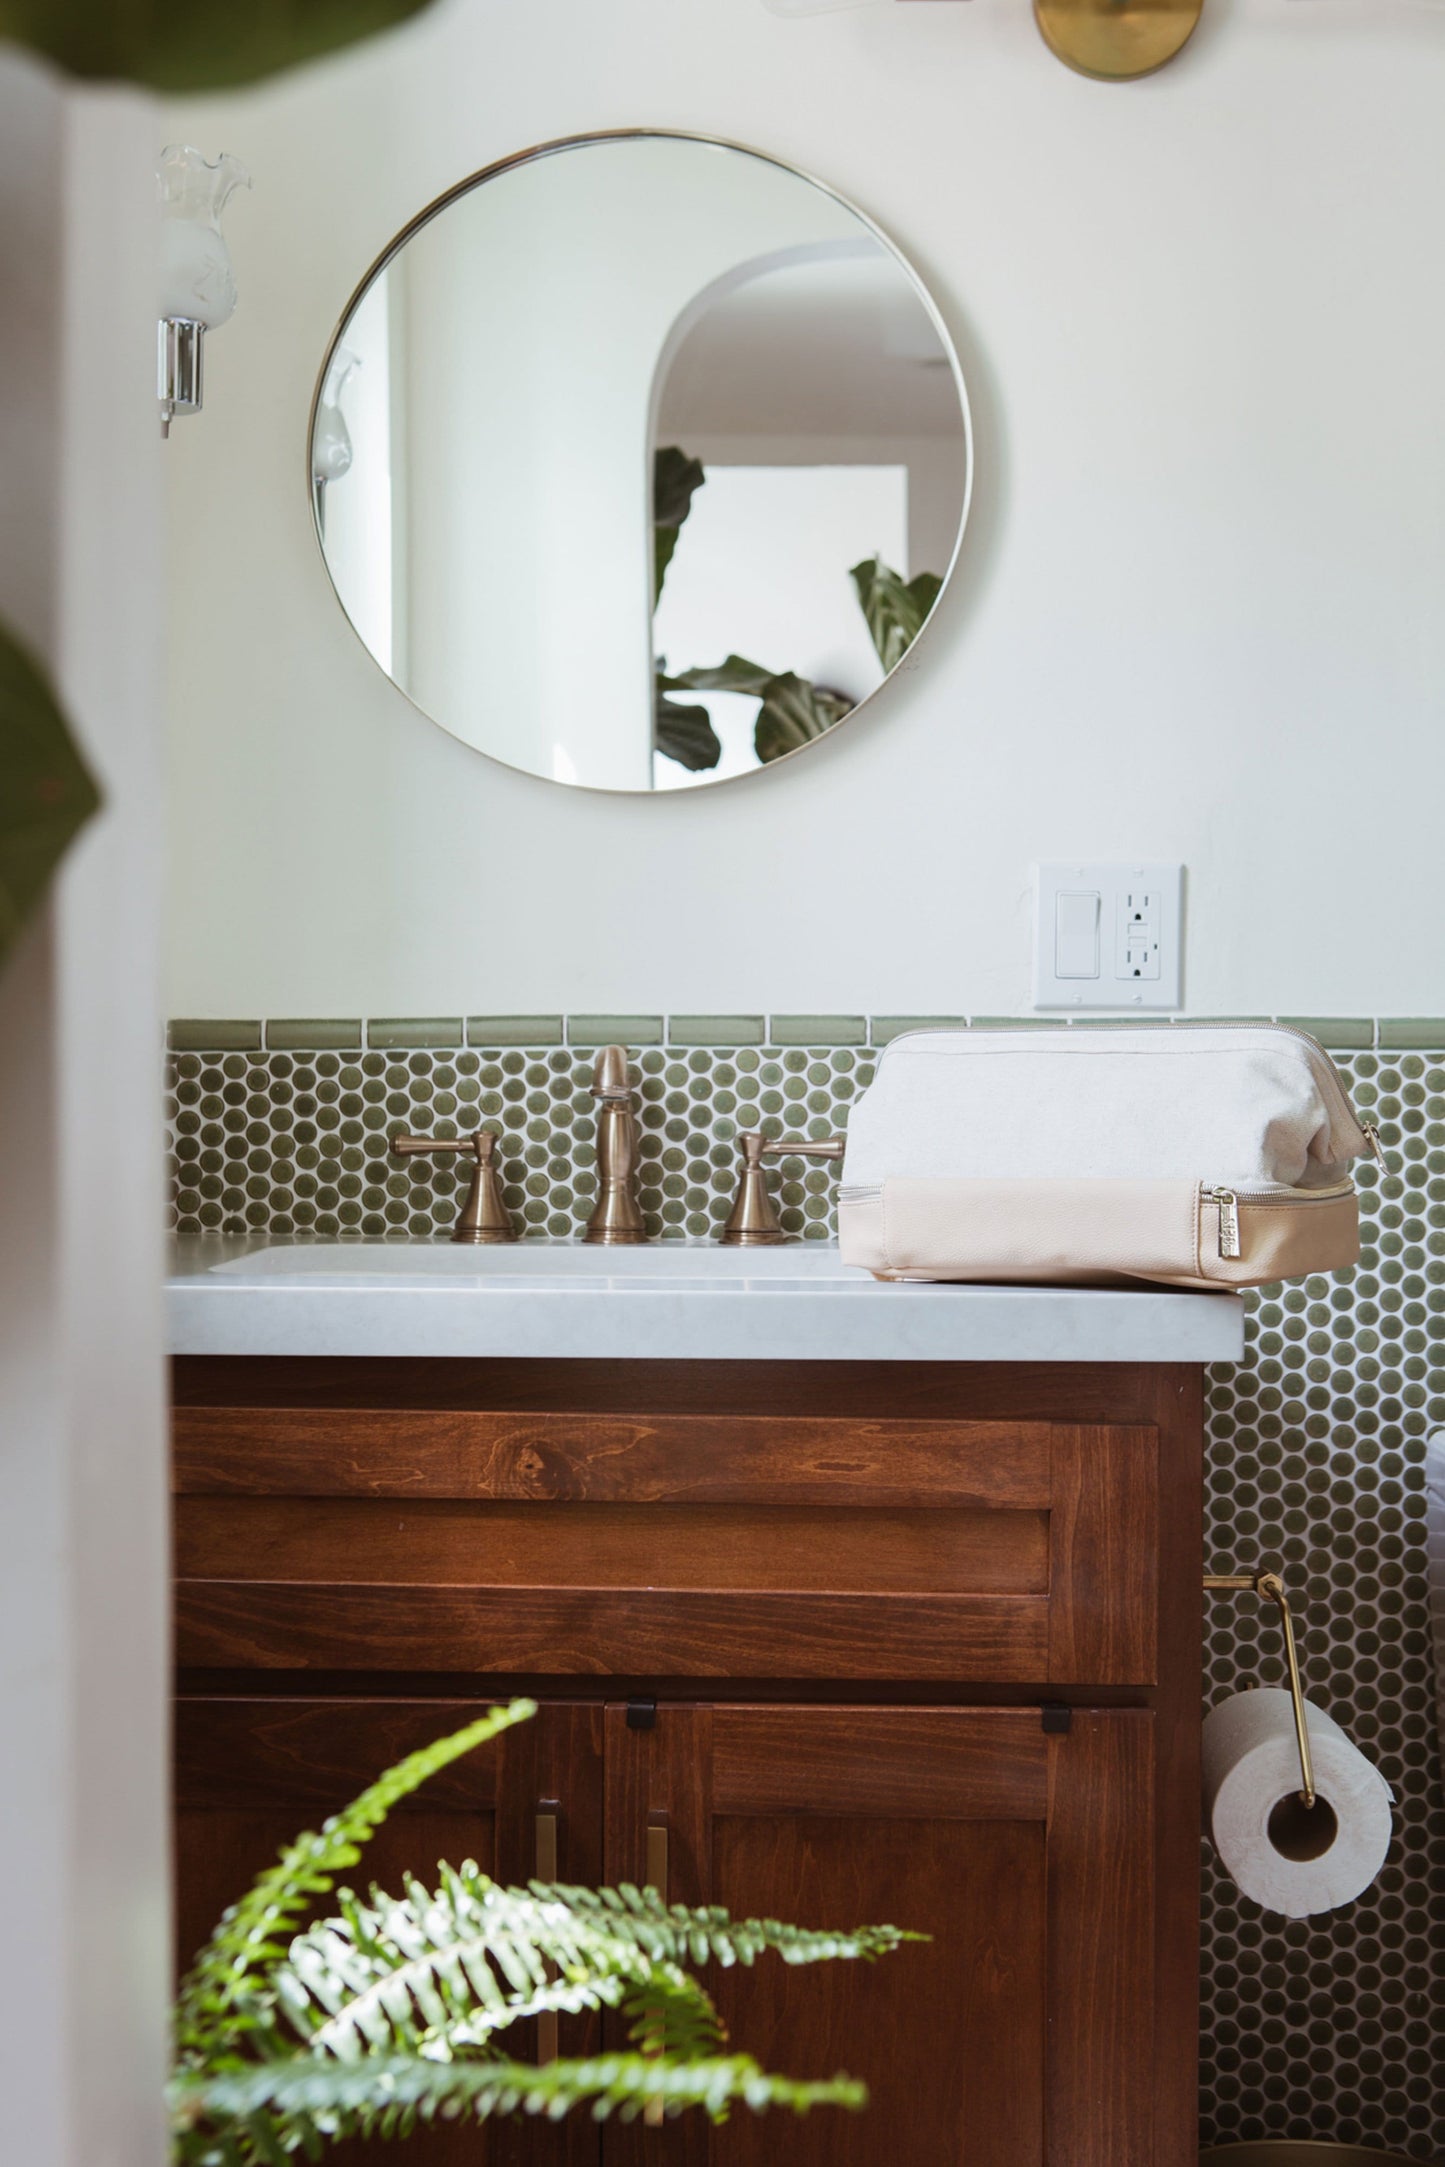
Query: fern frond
{"points": [[225, 1993], [321, 2099], [697, 1935], [439, 1972]]}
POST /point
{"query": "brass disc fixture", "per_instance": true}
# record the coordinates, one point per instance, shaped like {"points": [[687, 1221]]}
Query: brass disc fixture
{"points": [[1116, 40]]}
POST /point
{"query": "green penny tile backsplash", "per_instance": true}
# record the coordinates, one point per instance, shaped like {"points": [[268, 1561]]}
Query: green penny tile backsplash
{"points": [[1325, 2028]]}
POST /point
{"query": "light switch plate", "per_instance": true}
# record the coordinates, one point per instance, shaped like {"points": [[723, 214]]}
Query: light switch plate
{"points": [[1108, 936]]}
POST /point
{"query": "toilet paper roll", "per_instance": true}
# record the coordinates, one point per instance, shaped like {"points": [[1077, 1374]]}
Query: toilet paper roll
{"points": [[1287, 1858]]}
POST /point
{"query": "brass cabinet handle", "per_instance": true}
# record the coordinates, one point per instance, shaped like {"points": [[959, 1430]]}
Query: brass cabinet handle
{"points": [[653, 2113], [546, 1870], [484, 1216], [657, 1854], [752, 1222]]}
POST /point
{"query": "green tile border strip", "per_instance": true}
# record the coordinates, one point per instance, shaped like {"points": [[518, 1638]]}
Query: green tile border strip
{"points": [[189, 1034], [1403, 1033], [404, 1034], [817, 1030], [514, 1030], [614, 1030], [308, 1034], [717, 1030], [313, 1034]]}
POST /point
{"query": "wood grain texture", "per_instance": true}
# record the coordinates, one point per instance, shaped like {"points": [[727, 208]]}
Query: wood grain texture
{"points": [[970, 1764], [1102, 2066], [1086, 1392], [270, 1626], [756, 1548], [1179, 1417], [949, 2035], [715, 1459], [1104, 1539]]}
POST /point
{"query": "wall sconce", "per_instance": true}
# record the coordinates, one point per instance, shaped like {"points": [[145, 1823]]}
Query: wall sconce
{"points": [[331, 452], [1111, 40], [1114, 41], [198, 291]]}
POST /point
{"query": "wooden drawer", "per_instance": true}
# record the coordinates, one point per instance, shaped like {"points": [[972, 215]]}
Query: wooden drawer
{"points": [[669, 1545]]}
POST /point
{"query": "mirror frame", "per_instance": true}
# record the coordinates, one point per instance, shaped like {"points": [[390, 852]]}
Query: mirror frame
{"points": [[577, 142]]}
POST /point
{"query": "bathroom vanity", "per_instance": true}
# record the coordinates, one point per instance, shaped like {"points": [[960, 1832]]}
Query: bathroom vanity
{"points": [[837, 1639]]}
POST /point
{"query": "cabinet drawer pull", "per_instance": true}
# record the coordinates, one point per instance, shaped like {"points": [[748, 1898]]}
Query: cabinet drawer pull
{"points": [[656, 1879], [546, 1870]]}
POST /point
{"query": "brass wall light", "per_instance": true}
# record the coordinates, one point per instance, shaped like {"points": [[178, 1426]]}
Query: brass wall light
{"points": [[1116, 40]]}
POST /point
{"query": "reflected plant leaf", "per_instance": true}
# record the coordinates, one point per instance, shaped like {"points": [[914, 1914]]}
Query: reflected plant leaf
{"points": [[685, 734], [895, 609], [793, 713], [736, 674], [676, 479]]}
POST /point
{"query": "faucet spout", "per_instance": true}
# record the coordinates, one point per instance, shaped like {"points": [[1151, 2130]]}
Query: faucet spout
{"points": [[617, 1214]]}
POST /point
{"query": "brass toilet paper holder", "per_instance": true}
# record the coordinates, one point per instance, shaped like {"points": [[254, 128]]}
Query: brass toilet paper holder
{"points": [[1270, 1588]]}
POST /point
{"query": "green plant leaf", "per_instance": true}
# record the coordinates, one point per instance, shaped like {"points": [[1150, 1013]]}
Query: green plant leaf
{"points": [[736, 674], [895, 608], [46, 791], [186, 45], [387, 2016], [228, 1992], [794, 711], [331, 2099], [684, 733], [676, 479]]}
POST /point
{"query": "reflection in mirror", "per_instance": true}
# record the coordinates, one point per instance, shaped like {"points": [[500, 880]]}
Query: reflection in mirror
{"points": [[640, 462]]}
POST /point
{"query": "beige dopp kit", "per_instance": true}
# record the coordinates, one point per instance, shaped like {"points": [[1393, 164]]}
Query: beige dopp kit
{"points": [[1193, 1155]]}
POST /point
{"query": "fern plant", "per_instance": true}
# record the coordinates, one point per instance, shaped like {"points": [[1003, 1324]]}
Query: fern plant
{"points": [[395, 2012]]}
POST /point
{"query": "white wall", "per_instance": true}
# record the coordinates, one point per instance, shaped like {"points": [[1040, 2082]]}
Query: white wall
{"points": [[1199, 612], [83, 1571]]}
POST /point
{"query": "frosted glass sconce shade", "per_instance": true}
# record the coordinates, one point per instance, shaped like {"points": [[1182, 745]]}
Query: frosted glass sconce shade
{"points": [[198, 288], [331, 452]]}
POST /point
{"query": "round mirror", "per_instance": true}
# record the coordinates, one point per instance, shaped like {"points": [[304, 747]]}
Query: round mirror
{"points": [[639, 461]]}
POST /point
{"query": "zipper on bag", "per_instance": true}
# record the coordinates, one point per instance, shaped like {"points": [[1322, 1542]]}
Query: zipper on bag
{"points": [[1229, 1201]]}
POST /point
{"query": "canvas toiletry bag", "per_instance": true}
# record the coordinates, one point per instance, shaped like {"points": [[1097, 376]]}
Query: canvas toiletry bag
{"points": [[1194, 1155]]}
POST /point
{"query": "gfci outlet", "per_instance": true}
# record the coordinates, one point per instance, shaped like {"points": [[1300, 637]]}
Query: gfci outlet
{"points": [[1108, 936]]}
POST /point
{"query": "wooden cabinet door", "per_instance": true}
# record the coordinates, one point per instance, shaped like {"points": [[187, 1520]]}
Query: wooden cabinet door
{"points": [[1021, 2035], [252, 1773]]}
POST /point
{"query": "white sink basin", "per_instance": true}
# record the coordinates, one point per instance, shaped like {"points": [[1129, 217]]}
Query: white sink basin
{"points": [[664, 1301]]}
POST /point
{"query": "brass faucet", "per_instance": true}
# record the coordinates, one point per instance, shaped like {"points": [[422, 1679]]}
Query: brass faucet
{"points": [[617, 1215], [484, 1217]]}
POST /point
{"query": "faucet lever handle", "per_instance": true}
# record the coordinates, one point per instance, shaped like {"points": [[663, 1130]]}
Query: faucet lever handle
{"points": [[484, 1216], [481, 1144], [753, 1223], [827, 1147]]}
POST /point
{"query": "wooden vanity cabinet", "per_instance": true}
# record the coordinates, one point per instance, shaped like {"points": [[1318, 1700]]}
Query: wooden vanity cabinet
{"points": [[824, 1642]]}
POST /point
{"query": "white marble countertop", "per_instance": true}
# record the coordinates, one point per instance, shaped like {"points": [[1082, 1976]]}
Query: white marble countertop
{"points": [[663, 1302]]}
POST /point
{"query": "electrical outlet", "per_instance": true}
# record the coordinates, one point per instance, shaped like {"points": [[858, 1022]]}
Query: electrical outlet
{"points": [[1136, 942], [1108, 936]]}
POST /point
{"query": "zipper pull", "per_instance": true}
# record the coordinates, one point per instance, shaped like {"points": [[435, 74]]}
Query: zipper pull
{"points": [[1370, 1130], [1228, 1204]]}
